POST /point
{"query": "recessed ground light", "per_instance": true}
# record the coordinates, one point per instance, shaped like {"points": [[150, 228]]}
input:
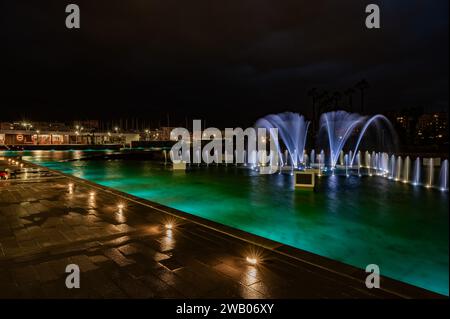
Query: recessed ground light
{"points": [[252, 260], [169, 226]]}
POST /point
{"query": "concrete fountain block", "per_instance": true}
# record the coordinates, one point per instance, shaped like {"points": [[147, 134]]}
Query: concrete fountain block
{"points": [[305, 179], [179, 165]]}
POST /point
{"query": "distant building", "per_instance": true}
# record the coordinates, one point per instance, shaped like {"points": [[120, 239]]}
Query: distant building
{"points": [[87, 124], [161, 134], [404, 124], [414, 128], [56, 133], [432, 129]]}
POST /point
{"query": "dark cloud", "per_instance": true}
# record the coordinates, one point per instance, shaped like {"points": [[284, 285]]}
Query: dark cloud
{"points": [[248, 57]]}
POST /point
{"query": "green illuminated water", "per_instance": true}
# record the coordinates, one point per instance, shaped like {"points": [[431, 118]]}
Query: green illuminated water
{"points": [[359, 221]]}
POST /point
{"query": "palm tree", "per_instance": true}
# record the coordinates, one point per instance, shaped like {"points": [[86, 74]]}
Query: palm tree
{"points": [[362, 85], [349, 93]]}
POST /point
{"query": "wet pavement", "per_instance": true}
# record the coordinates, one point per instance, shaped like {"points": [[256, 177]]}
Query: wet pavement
{"points": [[124, 249]]}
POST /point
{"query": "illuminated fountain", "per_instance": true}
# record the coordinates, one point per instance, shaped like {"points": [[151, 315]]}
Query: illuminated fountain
{"points": [[380, 123], [375, 162], [398, 169], [443, 176], [305, 160], [384, 164], [346, 161], [336, 127], [416, 175], [321, 161], [312, 157], [430, 177], [406, 169], [358, 158], [369, 164], [349, 144], [292, 130]]}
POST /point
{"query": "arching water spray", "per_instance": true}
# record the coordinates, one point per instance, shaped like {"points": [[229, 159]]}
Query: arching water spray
{"points": [[370, 121]]}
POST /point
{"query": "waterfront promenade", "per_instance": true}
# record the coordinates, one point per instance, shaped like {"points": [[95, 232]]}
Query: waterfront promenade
{"points": [[124, 250]]}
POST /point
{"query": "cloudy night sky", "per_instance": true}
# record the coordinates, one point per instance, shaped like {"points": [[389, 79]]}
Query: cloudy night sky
{"points": [[227, 61]]}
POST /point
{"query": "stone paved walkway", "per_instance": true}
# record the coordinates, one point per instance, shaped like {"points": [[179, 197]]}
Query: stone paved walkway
{"points": [[128, 252]]}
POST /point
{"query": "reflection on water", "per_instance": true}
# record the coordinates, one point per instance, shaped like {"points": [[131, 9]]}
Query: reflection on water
{"points": [[360, 221]]}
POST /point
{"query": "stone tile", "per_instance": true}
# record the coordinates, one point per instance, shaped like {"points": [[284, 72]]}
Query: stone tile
{"points": [[83, 262], [171, 263], [115, 255], [124, 228], [46, 272], [239, 274], [133, 288], [99, 259], [9, 291], [45, 229], [128, 249], [159, 288], [102, 285], [25, 275]]}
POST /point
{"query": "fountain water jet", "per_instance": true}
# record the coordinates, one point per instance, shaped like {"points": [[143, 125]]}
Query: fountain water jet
{"points": [[416, 175], [406, 169], [392, 167], [376, 163], [321, 160], [292, 129], [374, 120], [398, 169], [338, 127], [430, 177], [359, 163], [443, 176], [346, 164]]}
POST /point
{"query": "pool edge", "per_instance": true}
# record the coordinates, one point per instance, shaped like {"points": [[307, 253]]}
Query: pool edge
{"points": [[392, 286]]}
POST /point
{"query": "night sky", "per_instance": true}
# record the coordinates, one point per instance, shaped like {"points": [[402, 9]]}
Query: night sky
{"points": [[227, 61]]}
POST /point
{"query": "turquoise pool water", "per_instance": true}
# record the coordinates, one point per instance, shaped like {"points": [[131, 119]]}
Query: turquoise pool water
{"points": [[358, 221]]}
